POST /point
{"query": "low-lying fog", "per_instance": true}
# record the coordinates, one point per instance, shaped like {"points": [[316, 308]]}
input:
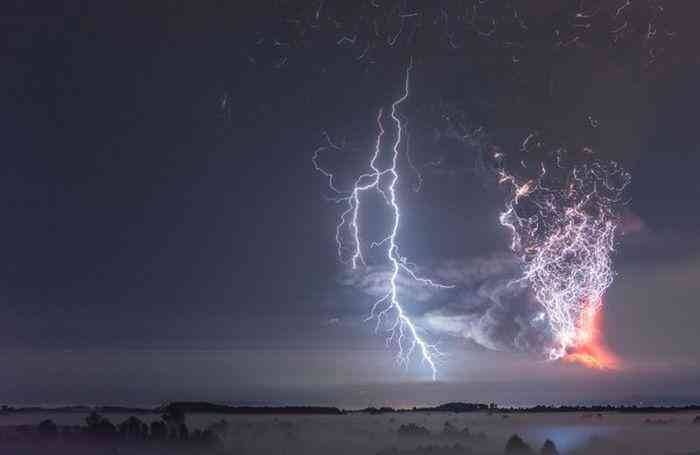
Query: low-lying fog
{"points": [[393, 434]]}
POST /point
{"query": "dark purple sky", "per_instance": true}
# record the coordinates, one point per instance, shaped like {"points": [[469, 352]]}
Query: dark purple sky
{"points": [[156, 246]]}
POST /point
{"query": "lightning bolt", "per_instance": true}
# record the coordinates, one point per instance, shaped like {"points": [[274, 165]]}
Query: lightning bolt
{"points": [[387, 310]]}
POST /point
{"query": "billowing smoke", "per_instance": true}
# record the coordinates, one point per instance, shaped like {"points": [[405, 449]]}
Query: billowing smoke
{"points": [[487, 305]]}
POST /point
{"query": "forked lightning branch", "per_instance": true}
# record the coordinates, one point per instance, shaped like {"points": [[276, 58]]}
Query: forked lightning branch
{"points": [[387, 311]]}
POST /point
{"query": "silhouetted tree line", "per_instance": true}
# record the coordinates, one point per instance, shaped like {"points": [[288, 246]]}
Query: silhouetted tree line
{"points": [[599, 409], [456, 407], [5, 409], [456, 449], [191, 407], [516, 446], [459, 407], [171, 427]]}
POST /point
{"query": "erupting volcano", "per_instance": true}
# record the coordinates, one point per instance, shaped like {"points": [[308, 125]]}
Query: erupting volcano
{"points": [[563, 228], [590, 349]]}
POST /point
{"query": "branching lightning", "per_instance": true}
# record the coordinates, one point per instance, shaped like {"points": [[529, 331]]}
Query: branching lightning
{"points": [[564, 231], [387, 310]]}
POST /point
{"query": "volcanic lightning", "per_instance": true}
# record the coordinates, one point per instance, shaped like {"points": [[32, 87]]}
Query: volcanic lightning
{"points": [[387, 310], [563, 229]]}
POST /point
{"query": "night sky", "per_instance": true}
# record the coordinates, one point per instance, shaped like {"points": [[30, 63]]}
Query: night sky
{"points": [[164, 234]]}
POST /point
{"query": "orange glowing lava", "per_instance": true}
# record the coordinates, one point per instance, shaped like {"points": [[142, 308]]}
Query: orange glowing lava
{"points": [[591, 351]]}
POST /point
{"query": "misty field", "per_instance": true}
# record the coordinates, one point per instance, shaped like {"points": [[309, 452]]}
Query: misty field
{"points": [[383, 434]]}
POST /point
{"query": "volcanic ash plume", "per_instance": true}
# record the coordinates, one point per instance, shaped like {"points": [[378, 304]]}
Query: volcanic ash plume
{"points": [[563, 224], [485, 306]]}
